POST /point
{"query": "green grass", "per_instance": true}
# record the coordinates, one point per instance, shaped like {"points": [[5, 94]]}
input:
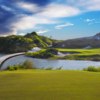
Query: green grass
{"points": [[82, 54], [76, 54], [82, 51], [49, 85]]}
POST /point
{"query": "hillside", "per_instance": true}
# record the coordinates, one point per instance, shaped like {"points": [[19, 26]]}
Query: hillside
{"points": [[85, 42], [40, 41], [15, 43]]}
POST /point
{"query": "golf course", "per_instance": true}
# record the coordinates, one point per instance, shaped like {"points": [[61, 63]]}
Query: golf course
{"points": [[68, 54], [49, 85]]}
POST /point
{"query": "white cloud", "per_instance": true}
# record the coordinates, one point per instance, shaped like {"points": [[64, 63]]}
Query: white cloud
{"points": [[42, 31], [47, 15], [30, 22], [89, 20], [93, 5], [4, 35], [85, 5], [63, 25], [52, 12], [59, 11], [28, 6], [22, 34]]}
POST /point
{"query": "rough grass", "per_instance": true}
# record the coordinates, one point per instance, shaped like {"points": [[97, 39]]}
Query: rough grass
{"points": [[49, 85]]}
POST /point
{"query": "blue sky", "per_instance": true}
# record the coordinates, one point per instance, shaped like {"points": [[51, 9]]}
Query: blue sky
{"points": [[59, 19]]}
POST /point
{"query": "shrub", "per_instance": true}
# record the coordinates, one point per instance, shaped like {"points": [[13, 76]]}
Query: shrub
{"points": [[16, 67], [25, 65], [59, 68], [10, 68], [48, 68], [52, 51], [29, 65], [46, 55], [92, 69]]}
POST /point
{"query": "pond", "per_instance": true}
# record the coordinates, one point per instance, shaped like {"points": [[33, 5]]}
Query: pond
{"points": [[44, 63], [2, 55]]}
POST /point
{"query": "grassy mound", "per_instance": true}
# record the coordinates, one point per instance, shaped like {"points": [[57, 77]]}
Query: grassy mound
{"points": [[47, 53]]}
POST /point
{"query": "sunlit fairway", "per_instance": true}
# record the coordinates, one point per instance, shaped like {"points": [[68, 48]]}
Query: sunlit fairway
{"points": [[84, 51], [82, 54], [49, 85]]}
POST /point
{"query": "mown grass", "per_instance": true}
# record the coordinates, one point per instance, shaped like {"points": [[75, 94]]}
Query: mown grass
{"points": [[82, 54], [49, 85]]}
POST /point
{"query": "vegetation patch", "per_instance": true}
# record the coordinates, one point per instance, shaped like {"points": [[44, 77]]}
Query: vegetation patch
{"points": [[92, 69], [81, 54], [25, 65], [47, 53], [74, 54], [13, 43]]}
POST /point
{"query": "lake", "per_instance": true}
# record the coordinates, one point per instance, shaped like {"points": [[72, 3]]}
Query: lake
{"points": [[2, 55], [44, 63]]}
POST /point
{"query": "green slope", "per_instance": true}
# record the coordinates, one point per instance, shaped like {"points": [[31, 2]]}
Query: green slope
{"points": [[39, 41], [14, 43]]}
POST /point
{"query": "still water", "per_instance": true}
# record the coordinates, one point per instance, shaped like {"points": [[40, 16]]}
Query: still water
{"points": [[2, 55], [44, 63]]}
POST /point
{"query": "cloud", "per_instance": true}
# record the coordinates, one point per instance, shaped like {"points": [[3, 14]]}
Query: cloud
{"points": [[15, 15], [93, 5], [85, 5], [22, 34], [89, 20], [59, 11], [11, 23], [42, 31], [29, 22], [38, 2], [20, 15], [28, 6], [64, 25], [6, 18], [6, 8]]}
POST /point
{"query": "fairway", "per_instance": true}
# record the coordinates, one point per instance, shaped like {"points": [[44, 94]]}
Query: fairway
{"points": [[49, 85], [92, 54], [82, 54]]}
